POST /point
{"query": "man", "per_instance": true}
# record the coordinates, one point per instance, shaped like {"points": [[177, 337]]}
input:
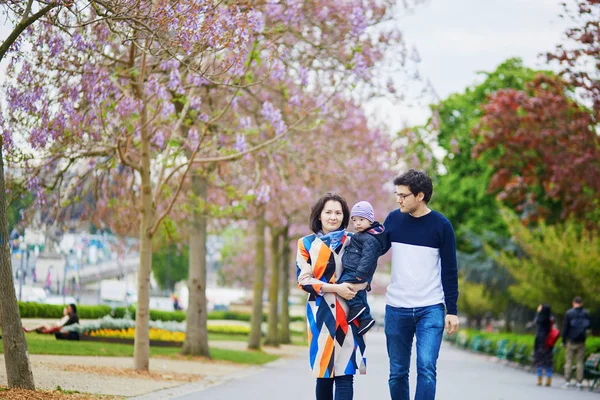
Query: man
{"points": [[577, 321], [422, 295]]}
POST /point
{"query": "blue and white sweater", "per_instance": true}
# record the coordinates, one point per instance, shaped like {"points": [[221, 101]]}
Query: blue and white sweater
{"points": [[424, 269]]}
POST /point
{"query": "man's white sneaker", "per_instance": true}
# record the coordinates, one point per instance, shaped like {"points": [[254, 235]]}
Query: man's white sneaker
{"points": [[579, 386], [567, 385]]}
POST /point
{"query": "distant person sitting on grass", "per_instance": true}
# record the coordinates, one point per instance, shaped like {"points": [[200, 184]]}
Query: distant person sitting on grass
{"points": [[69, 318]]}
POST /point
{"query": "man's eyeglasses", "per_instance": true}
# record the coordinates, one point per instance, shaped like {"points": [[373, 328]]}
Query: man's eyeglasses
{"points": [[402, 196]]}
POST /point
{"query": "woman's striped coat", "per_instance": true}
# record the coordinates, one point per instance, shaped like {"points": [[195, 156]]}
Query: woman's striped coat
{"points": [[334, 347]]}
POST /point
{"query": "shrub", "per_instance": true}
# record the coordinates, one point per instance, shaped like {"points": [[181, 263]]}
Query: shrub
{"points": [[592, 344], [53, 311]]}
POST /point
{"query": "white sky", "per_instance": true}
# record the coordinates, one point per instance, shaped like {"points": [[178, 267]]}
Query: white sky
{"points": [[457, 38]]}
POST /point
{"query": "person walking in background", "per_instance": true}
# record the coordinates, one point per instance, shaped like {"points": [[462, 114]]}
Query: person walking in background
{"points": [[360, 261], [543, 357], [423, 292], [577, 321], [48, 285], [336, 351]]}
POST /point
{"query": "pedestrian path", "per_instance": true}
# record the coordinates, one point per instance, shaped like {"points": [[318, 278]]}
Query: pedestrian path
{"points": [[461, 376]]}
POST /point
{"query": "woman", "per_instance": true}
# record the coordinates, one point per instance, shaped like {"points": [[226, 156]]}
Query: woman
{"points": [[69, 318], [336, 351], [543, 356]]}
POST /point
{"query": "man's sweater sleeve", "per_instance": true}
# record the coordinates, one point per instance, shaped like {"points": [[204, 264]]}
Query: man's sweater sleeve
{"points": [[449, 269], [387, 226]]}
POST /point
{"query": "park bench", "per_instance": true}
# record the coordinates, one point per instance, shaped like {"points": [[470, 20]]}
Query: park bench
{"points": [[462, 341], [476, 343], [521, 356], [450, 338], [509, 352], [591, 371], [488, 347], [500, 345]]}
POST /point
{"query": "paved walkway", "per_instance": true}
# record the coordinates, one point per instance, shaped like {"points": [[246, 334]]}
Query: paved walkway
{"points": [[461, 375]]}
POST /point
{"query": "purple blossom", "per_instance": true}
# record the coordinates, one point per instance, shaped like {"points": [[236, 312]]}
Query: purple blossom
{"points": [[273, 8], [195, 102], [295, 100], [126, 106], [198, 80], [245, 122], [323, 13], [79, 42], [303, 72], [240, 143], [273, 115], [192, 139], [174, 83], [170, 65], [56, 45], [6, 134], [358, 21], [360, 66], [278, 70], [263, 194], [322, 102], [257, 20], [158, 139]]}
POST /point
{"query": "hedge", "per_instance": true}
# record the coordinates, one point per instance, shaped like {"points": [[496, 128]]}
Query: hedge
{"points": [[40, 310], [468, 336]]}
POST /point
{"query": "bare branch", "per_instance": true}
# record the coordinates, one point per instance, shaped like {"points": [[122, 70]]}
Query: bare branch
{"points": [[21, 26]]}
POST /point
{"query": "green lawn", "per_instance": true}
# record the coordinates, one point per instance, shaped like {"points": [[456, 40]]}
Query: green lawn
{"points": [[47, 344]]}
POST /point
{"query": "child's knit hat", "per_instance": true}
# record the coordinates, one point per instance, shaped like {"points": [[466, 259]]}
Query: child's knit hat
{"points": [[363, 209]]}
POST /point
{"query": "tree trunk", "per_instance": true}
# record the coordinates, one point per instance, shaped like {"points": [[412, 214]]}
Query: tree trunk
{"points": [[142, 315], [18, 370], [259, 277], [284, 335], [507, 312], [272, 320], [196, 335]]}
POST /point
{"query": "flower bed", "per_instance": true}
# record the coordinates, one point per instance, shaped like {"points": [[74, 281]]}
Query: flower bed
{"points": [[155, 334], [158, 337]]}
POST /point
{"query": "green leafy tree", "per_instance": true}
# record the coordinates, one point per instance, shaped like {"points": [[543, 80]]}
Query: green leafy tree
{"points": [[465, 179], [554, 264], [461, 180], [475, 302], [170, 257]]}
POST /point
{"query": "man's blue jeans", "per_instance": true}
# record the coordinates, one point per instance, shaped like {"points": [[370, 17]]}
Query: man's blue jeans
{"points": [[401, 325]]}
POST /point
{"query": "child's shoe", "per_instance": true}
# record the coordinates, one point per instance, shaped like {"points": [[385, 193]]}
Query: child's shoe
{"points": [[354, 313], [365, 325]]}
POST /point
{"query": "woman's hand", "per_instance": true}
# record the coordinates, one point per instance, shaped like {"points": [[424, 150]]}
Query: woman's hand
{"points": [[345, 290], [358, 286]]}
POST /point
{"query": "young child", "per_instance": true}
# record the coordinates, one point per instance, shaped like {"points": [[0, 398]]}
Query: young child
{"points": [[360, 261]]}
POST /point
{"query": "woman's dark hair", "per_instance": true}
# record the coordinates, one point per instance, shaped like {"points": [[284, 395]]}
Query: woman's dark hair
{"points": [[544, 316], [74, 308], [317, 209], [417, 182]]}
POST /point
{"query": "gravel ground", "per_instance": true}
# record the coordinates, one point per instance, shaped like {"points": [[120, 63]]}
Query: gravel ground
{"points": [[115, 376]]}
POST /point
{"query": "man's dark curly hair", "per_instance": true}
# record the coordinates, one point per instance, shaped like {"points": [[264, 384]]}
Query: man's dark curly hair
{"points": [[417, 182]]}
